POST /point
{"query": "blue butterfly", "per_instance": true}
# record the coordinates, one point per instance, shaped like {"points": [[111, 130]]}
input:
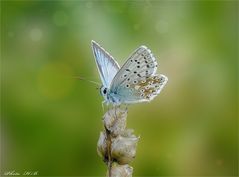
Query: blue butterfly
{"points": [[136, 81]]}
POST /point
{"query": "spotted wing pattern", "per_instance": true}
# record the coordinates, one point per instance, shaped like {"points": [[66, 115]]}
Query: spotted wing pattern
{"points": [[136, 80], [106, 64], [149, 88]]}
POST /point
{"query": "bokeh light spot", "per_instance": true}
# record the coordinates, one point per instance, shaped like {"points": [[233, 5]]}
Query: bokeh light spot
{"points": [[36, 34], [55, 80]]}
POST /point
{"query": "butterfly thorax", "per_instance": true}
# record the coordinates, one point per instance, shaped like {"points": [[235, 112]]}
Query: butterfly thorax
{"points": [[109, 96]]}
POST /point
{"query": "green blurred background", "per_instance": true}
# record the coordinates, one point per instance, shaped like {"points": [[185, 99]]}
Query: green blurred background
{"points": [[50, 122]]}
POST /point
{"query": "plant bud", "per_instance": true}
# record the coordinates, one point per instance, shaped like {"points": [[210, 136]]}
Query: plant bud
{"points": [[115, 120], [123, 149], [121, 171], [102, 145]]}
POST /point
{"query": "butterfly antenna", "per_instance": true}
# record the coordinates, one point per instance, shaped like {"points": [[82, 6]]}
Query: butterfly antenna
{"points": [[84, 79]]}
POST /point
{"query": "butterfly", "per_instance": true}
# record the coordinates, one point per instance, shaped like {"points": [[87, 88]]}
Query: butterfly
{"points": [[136, 81]]}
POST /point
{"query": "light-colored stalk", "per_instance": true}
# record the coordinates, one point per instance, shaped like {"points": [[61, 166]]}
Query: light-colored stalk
{"points": [[117, 145]]}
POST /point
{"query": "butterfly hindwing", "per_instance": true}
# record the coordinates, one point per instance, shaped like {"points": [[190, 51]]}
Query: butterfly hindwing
{"points": [[151, 87], [136, 80], [144, 90], [106, 64]]}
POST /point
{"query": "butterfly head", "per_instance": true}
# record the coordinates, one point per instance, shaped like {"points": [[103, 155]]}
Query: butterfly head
{"points": [[104, 92]]}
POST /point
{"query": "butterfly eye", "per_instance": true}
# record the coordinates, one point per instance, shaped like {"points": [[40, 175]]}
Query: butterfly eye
{"points": [[104, 91]]}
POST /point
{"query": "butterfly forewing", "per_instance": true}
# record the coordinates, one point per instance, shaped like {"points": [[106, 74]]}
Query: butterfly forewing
{"points": [[136, 80], [106, 64], [141, 64]]}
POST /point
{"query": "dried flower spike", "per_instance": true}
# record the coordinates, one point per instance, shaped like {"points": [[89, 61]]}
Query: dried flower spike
{"points": [[116, 144], [102, 145], [115, 121], [124, 149], [121, 171]]}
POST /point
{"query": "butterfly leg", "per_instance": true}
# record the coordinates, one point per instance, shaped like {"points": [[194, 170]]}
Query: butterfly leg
{"points": [[108, 108], [102, 104], [126, 107], [115, 107]]}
